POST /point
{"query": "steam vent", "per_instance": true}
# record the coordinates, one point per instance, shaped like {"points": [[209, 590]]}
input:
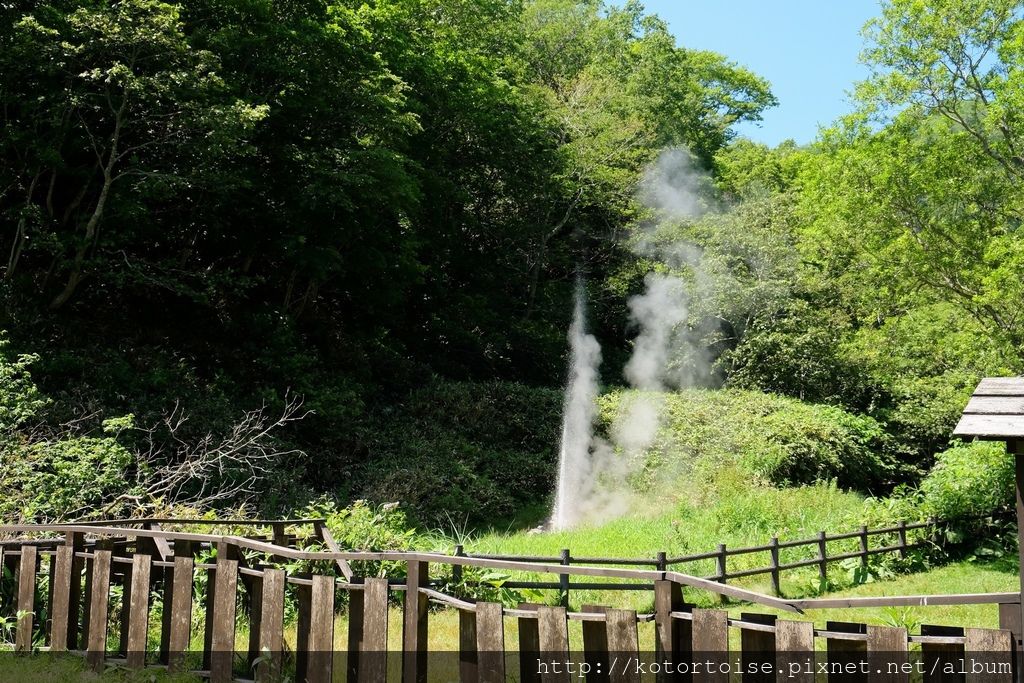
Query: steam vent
{"points": [[995, 411]]}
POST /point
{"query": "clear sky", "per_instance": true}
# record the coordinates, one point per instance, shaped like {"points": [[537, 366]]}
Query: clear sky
{"points": [[807, 49]]}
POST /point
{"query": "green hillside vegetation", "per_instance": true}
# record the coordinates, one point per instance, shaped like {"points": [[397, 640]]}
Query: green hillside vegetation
{"points": [[263, 258]]}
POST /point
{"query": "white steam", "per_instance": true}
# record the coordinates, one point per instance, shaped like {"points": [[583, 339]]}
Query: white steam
{"points": [[593, 472], [576, 471], [657, 313]]}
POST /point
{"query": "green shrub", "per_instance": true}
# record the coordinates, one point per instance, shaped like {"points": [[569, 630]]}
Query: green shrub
{"points": [[780, 440], [65, 479], [972, 479], [20, 399], [458, 452]]}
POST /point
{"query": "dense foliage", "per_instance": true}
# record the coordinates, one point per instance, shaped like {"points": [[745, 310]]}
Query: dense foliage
{"points": [[211, 210]]}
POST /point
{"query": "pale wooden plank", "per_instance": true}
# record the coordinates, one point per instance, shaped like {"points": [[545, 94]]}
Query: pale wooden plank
{"points": [[887, 654], [490, 642], [321, 630], [61, 584], [997, 427], [271, 638], [711, 642], [26, 598], [99, 595], [995, 405], [553, 632], [794, 651], [1000, 386], [623, 641], [993, 650], [667, 598], [414, 625], [222, 641], [373, 659], [138, 612], [179, 624]]}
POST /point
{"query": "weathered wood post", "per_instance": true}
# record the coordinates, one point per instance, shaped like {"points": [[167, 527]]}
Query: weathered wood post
{"points": [[996, 413], [414, 623]]}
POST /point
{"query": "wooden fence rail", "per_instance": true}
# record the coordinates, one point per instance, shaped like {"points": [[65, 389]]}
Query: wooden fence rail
{"points": [[821, 557], [103, 590]]}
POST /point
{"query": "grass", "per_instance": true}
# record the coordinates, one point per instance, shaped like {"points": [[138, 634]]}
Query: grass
{"points": [[735, 511]]}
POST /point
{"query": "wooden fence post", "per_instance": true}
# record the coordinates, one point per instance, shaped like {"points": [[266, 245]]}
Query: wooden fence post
{"points": [[304, 608], [460, 551], [373, 651], [254, 592], [61, 603], [564, 559], [623, 640], [711, 642], [864, 546], [902, 532], [995, 649], [823, 557], [553, 633], [356, 601], [76, 542], [595, 644], [321, 630], [468, 656], [846, 652], [757, 649], [178, 625], [26, 598], [672, 637], [887, 654], [529, 645], [271, 633], [222, 636], [722, 572], [794, 651], [773, 550], [98, 598], [414, 632], [490, 642], [938, 656], [138, 612]]}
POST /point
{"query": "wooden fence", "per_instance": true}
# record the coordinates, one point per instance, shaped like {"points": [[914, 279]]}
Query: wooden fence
{"points": [[897, 540], [64, 586]]}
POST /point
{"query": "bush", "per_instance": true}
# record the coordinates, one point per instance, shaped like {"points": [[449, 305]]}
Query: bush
{"points": [[972, 479], [65, 479], [464, 452], [781, 440], [20, 399]]}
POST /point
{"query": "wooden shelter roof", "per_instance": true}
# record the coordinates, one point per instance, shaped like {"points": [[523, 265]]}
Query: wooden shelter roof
{"points": [[995, 411]]}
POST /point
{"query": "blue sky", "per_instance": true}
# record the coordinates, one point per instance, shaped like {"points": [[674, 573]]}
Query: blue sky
{"points": [[807, 49]]}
